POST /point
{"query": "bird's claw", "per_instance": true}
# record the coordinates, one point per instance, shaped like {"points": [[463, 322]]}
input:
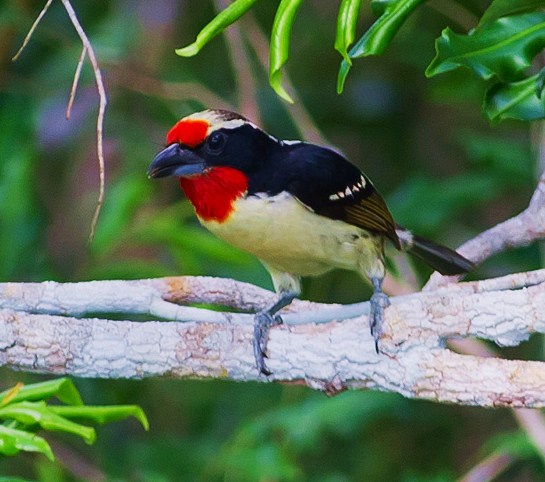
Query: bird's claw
{"points": [[262, 323], [379, 301]]}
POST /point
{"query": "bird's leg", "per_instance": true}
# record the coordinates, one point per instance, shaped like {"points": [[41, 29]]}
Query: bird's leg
{"points": [[379, 301], [264, 319]]}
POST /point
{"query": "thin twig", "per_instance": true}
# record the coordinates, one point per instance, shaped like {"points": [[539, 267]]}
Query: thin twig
{"points": [[75, 82], [533, 423], [32, 28], [489, 468], [258, 41], [76, 463], [101, 109], [87, 49], [144, 84]]}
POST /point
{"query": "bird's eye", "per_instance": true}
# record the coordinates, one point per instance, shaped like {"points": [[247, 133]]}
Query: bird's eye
{"points": [[216, 142]]}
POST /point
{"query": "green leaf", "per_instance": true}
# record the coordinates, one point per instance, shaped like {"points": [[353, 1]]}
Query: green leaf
{"points": [[218, 24], [516, 100], [13, 440], [516, 444], [11, 393], [503, 48], [503, 8], [17, 410], [347, 21], [378, 37], [62, 388], [540, 83], [280, 42], [102, 415], [38, 413], [341, 76]]}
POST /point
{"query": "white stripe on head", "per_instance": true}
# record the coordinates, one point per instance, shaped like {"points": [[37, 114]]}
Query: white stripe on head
{"points": [[219, 119], [225, 119]]}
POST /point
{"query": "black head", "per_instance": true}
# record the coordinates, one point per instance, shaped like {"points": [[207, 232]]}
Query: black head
{"points": [[208, 139]]}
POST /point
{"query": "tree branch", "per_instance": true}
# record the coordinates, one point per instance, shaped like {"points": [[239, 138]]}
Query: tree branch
{"points": [[89, 50], [330, 356], [520, 230], [33, 27]]}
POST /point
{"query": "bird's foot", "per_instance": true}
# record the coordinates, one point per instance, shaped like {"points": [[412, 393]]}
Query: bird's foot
{"points": [[379, 301], [263, 321]]}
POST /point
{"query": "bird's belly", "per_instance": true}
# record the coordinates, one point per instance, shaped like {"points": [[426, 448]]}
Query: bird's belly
{"points": [[285, 234]]}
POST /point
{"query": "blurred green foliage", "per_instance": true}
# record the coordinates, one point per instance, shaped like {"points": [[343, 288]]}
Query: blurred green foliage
{"points": [[444, 171]]}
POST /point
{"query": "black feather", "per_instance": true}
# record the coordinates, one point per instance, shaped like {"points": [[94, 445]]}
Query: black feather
{"points": [[326, 183], [440, 258]]}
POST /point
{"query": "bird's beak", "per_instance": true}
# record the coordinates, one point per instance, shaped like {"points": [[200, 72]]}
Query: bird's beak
{"points": [[174, 160]]}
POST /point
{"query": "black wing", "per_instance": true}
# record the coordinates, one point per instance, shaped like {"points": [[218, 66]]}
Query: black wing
{"points": [[330, 185]]}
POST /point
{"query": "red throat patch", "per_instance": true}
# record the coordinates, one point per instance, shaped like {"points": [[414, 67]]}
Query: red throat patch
{"points": [[188, 132], [214, 192]]}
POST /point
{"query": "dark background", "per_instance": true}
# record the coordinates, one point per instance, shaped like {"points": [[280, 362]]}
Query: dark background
{"points": [[445, 172]]}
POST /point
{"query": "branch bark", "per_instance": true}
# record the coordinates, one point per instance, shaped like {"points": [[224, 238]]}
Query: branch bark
{"points": [[36, 334]]}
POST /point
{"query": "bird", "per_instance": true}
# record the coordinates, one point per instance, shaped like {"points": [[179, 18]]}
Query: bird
{"points": [[300, 208]]}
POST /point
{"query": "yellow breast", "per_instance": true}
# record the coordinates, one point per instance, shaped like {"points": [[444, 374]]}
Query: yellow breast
{"points": [[287, 235]]}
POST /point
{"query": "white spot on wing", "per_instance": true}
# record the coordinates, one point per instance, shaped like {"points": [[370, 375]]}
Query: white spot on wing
{"points": [[350, 190], [291, 143]]}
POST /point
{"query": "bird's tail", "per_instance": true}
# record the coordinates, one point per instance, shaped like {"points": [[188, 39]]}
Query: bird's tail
{"points": [[440, 258]]}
